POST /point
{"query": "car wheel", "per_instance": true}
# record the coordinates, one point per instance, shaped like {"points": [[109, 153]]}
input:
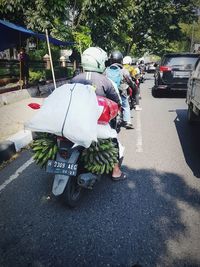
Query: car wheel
{"points": [[191, 116], [155, 92]]}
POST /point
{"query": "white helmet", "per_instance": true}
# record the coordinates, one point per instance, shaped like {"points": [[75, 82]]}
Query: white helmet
{"points": [[127, 60], [93, 59]]}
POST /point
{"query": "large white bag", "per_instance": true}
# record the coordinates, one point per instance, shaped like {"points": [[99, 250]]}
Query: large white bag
{"points": [[72, 111], [104, 131]]}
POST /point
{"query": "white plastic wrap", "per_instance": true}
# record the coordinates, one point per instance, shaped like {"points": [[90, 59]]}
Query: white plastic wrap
{"points": [[72, 111], [105, 131]]}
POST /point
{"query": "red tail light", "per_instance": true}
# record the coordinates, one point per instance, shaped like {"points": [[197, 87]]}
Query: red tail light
{"points": [[61, 138], [64, 154], [165, 68]]}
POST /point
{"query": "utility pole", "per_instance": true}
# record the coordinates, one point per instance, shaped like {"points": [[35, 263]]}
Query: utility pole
{"points": [[192, 45], [192, 38]]}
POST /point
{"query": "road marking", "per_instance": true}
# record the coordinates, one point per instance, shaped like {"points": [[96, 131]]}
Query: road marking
{"points": [[16, 174], [139, 147]]}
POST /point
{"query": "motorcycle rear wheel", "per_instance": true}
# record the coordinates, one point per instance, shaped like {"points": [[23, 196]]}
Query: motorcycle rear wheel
{"points": [[72, 193]]}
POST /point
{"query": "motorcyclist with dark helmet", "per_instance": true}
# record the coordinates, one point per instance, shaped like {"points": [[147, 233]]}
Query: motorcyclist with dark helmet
{"points": [[116, 58], [93, 62]]}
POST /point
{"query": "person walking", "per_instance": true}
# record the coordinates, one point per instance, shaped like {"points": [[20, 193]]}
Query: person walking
{"points": [[23, 58]]}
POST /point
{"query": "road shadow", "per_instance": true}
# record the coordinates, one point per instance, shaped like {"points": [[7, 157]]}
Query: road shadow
{"points": [[122, 223], [167, 94], [189, 136]]}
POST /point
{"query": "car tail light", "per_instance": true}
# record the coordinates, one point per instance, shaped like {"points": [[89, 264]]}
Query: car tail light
{"points": [[165, 68]]}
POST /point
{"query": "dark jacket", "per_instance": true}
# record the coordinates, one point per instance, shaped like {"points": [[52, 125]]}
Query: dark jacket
{"points": [[102, 84]]}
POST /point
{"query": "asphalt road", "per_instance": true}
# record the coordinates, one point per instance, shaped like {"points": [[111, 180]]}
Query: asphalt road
{"points": [[151, 219]]}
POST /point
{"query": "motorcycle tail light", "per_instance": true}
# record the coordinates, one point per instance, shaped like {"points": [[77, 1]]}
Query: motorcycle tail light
{"points": [[165, 68], [63, 153], [61, 138]]}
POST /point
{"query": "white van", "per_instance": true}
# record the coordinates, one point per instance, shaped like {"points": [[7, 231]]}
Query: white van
{"points": [[193, 94]]}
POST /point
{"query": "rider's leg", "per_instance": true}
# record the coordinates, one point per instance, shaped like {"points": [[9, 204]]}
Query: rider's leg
{"points": [[137, 99], [126, 110], [117, 174]]}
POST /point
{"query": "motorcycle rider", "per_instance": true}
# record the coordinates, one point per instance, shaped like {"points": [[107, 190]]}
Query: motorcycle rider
{"points": [[93, 62], [127, 61], [116, 58], [142, 68]]}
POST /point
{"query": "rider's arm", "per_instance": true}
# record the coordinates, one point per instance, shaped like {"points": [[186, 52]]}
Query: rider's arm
{"points": [[111, 93], [128, 78]]}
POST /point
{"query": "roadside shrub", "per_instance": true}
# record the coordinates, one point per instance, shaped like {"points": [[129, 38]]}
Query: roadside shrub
{"points": [[36, 76], [60, 72]]}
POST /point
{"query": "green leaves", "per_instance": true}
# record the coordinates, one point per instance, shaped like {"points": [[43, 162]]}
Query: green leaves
{"points": [[82, 37], [133, 26]]}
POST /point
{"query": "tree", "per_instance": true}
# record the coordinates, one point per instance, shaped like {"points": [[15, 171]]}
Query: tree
{"points": [[133, 26], [37, 15], [158, 23]]}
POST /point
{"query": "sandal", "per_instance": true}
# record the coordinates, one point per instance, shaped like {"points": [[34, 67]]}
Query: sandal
{"points": [[123, 176]]}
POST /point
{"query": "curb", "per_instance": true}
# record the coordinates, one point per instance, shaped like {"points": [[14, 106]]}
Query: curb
{"points": [[16, 95], [14, 144], [21, 139]]}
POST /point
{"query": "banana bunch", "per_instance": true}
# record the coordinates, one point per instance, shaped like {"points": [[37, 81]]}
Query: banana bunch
{"points": [[44, 148], [100, 157]]}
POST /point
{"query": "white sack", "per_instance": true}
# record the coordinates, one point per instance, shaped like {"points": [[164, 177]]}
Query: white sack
{"points": [[104, 131], [121, 150], [71, 110]]}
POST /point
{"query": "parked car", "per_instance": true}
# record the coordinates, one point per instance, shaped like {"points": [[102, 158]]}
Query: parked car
{"points": [[193, 94], [173, 72]]}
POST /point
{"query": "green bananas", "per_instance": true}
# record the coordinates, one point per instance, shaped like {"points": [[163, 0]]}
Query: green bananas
{"points": [[44, 148], [100, 157]]}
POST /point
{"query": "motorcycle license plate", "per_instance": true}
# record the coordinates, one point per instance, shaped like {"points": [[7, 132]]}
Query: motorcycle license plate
{"points": [[58, 167]]}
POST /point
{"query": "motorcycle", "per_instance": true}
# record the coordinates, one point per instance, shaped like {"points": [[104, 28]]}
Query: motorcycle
{"points": [[142, 73], [132, 93], [131, 98], [71, 178]]}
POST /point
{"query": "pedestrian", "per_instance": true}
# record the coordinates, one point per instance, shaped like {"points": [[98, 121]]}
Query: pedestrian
{"points": [[24, 66], [75, 58], [93, 62]]}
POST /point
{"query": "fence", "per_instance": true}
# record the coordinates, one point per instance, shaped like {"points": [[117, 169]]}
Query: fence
{"points": [[10, 71]]}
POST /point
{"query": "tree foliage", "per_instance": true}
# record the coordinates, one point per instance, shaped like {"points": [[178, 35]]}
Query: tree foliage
{"points": [[35, 14], [133, 26]]}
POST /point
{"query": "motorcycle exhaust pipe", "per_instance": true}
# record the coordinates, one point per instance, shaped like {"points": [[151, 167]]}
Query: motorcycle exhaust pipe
{"points": [[87, 180]]}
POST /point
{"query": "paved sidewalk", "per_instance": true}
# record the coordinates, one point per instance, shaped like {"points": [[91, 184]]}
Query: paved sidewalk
{"points": [[13, 136], [13, 116], [14, 112]]}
